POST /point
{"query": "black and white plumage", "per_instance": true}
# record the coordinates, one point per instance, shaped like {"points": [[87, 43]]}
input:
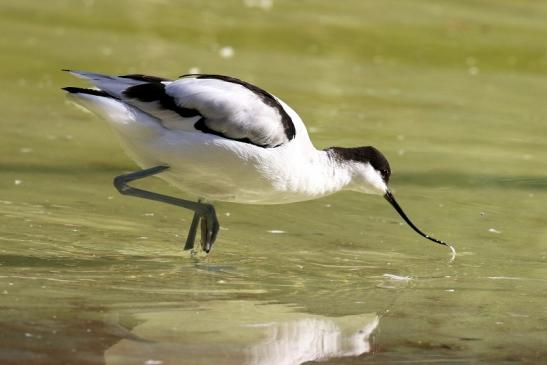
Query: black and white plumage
{"points": [[214, 104], [221, 138]]}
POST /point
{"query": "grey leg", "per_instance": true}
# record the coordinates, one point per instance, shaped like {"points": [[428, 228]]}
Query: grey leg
{"points": [[209, 231], [192, 233], [202, 211]]}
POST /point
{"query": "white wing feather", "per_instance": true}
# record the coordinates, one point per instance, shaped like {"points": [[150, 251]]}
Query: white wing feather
{"points": [[228, 108]]}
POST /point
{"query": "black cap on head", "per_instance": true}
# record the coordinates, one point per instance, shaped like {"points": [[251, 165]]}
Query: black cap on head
{"points": [[363, 154]]}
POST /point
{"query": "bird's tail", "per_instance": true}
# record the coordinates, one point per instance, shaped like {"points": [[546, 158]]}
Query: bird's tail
{"points": [[111, 85], [107, 104]]}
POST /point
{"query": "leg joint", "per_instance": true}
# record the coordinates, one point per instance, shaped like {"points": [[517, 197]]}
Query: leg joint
{"points": [[209, 210], [121, 185]]}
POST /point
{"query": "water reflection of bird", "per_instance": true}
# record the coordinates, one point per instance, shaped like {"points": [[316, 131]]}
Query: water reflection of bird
{"points": [[254, 333], [313, 339], [224, 139]]}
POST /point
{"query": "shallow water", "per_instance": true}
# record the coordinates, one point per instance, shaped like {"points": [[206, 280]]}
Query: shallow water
{"points": [[452, 93]]}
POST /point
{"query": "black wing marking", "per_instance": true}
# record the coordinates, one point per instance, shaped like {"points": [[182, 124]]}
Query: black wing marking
{"points": [[144, 78], [265, 96], [154, 90], [81, 90], [201, 126], [150, 92]]}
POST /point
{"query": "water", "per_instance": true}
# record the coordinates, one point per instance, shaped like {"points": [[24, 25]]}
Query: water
{"points": [[452, 93]]}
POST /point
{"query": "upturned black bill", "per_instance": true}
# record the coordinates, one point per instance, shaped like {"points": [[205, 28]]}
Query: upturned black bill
{"points": [[391, 199]]}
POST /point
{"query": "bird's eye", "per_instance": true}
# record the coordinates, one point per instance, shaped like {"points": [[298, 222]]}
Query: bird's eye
{"points": [[385, 175]]}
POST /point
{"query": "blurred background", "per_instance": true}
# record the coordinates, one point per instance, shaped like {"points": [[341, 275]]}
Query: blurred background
{"points": [[452, 92]]}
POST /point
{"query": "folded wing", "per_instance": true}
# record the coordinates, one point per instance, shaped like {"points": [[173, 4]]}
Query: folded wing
{"points": [[213, 104]]}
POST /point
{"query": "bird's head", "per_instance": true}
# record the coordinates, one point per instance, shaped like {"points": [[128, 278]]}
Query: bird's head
{"points": [[370, 173], [368, 166]]}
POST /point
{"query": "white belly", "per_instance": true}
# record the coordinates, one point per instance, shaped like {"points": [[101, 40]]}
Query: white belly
{"points": [[218, 169]]}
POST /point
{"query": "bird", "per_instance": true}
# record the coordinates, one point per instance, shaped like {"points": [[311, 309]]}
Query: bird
{"points": [[220, 138]]}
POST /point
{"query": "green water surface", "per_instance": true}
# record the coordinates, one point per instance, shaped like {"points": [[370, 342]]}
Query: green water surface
{"points": [[453, 92]]}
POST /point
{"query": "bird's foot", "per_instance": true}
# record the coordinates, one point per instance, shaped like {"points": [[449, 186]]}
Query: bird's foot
{"points": [[209, 228]]}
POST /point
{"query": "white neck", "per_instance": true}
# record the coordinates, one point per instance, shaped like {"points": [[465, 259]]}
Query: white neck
{"points": [[318, 175]]}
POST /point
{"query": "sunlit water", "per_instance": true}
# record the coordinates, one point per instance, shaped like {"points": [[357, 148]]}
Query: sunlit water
{"points": [[453, 93]]}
